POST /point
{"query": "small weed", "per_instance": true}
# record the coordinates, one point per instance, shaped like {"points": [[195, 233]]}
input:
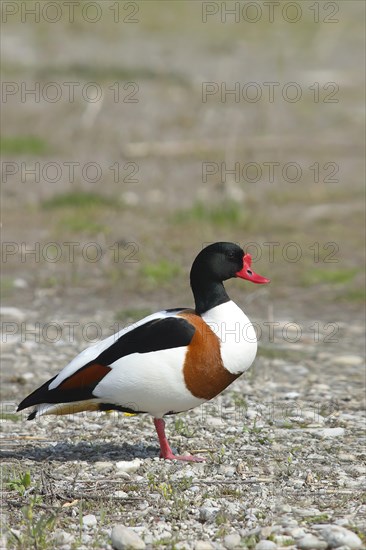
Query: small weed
{"points": [[23, 145], [326, 276], [289, 542], [317, 519], [239, 400], [6, 287], [182, 428], [228, 213], [20, 484], [250, 542], [160, 272], [10, 416], [81, 223], [220, 520], [79, 200], [353, 295], [219, 456], [33, 529]]}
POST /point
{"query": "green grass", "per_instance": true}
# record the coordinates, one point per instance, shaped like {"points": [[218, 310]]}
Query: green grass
{"points": [[34, 529], [354, 295], [327, 276], [131, 313], [160, 272], [229, 213], [6, 287], [81, 223], [21, 145], [10, 416], [79, 200]]}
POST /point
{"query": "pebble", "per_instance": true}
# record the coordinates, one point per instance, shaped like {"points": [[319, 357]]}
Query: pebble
{"points": [[203, 545], [297, 533], [232, 541], [228, 471], [89, 520], [120, 494], [128, 466], [25, 377], [208, 513], [63, 537], [266, 545], [12, 312], [330, 432], [103, 465], [336, 536], [20, 283], [283, 540], [310, 542], [124, 538], [352, 360]]}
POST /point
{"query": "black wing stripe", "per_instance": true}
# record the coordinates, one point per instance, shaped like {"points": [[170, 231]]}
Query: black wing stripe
{"points": [[156, 335]]}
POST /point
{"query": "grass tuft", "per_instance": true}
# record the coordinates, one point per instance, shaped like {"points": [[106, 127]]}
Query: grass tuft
{"points": [[229, 213], [160, 272], [80, 200], [22, 145], [335, 276]]}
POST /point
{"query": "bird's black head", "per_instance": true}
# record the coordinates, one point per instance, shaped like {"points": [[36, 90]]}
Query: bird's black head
{"points": [[213, 265], [218, 262]]}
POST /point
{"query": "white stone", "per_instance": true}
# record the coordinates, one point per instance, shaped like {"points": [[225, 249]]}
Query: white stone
{"points": [[128, 466], [203, 545], [292, 395], [13, 312], [331, 432], [102, 465], [336, 536], [124, 538], [26, 377], [297, 533], [208, 513], [266, 545], [310, 542], [351, 360], [89, 520], [232, 541], [120, 494], [20, 283], [62, 537]]}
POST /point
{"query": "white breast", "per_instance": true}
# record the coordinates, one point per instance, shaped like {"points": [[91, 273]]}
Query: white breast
{"points": [[236, 333]]}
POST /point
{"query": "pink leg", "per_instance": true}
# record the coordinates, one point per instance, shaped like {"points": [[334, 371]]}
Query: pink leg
{"points": [[165, 450]]}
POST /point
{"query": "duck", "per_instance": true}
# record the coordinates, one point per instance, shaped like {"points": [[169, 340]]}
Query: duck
{"points": [[168, 362]]}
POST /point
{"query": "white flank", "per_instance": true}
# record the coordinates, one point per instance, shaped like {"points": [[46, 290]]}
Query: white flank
{"points": [[150, 382], [92, 352]]}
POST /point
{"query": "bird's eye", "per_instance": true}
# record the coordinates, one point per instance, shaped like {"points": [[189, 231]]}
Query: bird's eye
{"points": [[249, 272]]}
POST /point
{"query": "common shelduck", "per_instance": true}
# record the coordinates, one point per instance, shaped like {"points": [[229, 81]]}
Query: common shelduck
{"points": [[168, 362]]}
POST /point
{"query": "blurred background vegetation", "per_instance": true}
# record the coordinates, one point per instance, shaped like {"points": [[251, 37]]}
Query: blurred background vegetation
{"points": [[145, 201]]}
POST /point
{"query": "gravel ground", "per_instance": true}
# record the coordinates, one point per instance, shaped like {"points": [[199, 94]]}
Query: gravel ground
{"points": [[285, 444], [285, 450]]}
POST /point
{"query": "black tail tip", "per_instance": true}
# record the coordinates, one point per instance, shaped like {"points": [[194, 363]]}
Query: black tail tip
{"points": [[32, 415]]}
